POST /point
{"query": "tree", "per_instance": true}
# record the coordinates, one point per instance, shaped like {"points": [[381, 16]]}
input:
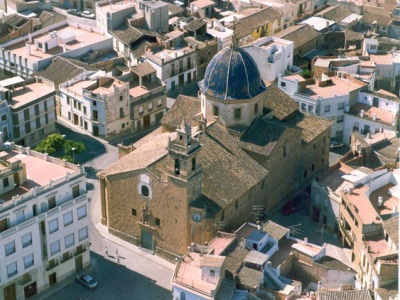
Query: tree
{"points": [[51, 144], [306, 73], [69, 144]]}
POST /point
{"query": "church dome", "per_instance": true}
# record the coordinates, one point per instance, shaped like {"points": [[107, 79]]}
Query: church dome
{"points": [[232, 74]]}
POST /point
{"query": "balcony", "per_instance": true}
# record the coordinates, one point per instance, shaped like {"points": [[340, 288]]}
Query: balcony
{"points": [[52, 264], [80, 249]]}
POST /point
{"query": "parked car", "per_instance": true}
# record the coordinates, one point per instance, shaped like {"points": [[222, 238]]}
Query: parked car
{"points": [[87, 281], [88, 14], [289, 208], [335, 145], [74, 11]]}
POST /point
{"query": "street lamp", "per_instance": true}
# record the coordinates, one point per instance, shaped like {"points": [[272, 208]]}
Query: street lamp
{"points": [[73, 154]]}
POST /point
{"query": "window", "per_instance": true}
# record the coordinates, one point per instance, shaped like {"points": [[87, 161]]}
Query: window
{"points": [[256, 108], [12, 269], [28, 261], [53, 225], [6, 183], [283, 84], [121, 112], [314, 146], [52, 202], [303, 107], [68, 218], [69, 240], [37, 123], [140, 109], [305, 174], [81, 212], [10, 248], [158, 222], [237, 113], [145, 191], [150, 105], [327, 108], [177, 167], [182, 296], [340, 106], [284, 151], [4, 117], [83, 233], [26, 114], [28, 127], [36, 109], [159, 102], [312, 168], [134, 213], [27, 240], [84, 110], [215, 111], [121, 98], [237, 204], [68, 100], [94, 103], [20, 217], [45, 105], [212, 273], [339, 119], [193, 163], [55, 247]]}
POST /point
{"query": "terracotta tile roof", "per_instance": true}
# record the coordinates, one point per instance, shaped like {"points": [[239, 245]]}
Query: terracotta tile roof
{"points": [[234, 260], [311, 126], [228, 171], [15, 20], [370, 18], [62, 69], [274, 230], [348, 295], [263, 134], [212, 261], [174, 9], [143, 69], [279, 103], [335, 13], [388, 292], [184, 107], [195, 24], [351, 35], [132, 34], [250, 278], [391, 226], [332, 263], [246, 25], [298, 34], [139, 49]]}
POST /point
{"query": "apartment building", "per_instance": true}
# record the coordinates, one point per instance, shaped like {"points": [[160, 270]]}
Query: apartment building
{"points": [[147, 104], [175, 62], [375, 112], [30, 114], [367, 204], [272, 55], [25, 55], [44, 221], [328, 97], [99, 106]]}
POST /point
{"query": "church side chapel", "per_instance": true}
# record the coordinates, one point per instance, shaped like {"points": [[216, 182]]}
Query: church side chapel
{"points": [[239, 144]]}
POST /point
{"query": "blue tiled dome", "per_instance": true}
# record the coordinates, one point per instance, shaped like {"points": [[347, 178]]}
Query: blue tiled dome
{"points": [[232, 74]]}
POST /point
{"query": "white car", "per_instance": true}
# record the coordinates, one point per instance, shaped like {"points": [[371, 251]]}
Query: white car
{"points": [[87, 281], [88, 14]]}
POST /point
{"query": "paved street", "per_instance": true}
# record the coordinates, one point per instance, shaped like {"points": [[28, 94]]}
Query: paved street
{"points": [[139, 275]]}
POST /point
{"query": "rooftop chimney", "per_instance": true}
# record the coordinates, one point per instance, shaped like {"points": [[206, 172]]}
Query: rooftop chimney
{"points": [[374, 116], [28, 48]]}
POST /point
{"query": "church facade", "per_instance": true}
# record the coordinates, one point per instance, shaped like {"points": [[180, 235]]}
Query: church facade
{"points": [[239, 144]]}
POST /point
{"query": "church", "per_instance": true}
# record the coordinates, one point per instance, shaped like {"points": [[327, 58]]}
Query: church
{"points": [[239, 144]]}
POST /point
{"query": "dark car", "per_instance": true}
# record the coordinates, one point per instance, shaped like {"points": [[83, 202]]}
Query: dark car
{"points": [[289, 208], [74, 11], [87, 281]]}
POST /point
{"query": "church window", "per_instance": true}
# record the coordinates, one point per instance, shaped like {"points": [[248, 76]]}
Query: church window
{"points": [[177, 167], [193, 163], [237, 113], [314, 146], [215, 111], [145, 191], [256, 108]]}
